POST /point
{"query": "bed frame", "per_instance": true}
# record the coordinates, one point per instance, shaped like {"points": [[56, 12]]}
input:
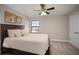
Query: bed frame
{"points": [[4, 34]]}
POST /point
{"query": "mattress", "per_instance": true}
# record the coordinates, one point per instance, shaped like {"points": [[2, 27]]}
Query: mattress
{"points": [[34, 43]]}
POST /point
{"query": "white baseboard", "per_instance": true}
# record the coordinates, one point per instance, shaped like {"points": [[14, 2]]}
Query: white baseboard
{"points": [[75, 45]]}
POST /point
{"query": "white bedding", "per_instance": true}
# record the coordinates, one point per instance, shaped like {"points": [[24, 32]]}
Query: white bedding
{"points": [[34, 43]]}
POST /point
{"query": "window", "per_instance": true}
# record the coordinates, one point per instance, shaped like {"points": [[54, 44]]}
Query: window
{"points": [[35, 26]]}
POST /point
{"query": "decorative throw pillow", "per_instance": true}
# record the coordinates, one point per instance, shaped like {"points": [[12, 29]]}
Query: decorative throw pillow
{"points": [[11, 33], [17, 33], [14, 33], [24, 32]]}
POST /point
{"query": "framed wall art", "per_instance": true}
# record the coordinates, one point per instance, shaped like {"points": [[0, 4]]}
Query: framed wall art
{"points": [[12, 18], [9, 17], [18, 19]]}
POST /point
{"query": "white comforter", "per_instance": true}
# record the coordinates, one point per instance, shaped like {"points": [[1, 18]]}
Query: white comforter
{"points": [[34, 43]]}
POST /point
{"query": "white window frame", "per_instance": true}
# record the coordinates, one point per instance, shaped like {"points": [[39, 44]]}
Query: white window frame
{"points": [[34, 26]]}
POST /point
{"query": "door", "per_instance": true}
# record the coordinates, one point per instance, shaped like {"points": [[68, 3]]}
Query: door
{"points": [[74, 29]]}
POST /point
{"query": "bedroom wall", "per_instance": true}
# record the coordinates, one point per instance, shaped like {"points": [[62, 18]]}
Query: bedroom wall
{"points": [[3, 8], [55, 26]]}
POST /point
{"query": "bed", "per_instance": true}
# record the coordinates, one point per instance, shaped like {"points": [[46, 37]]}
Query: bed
{"points": [[35, 43], [32, 43]]}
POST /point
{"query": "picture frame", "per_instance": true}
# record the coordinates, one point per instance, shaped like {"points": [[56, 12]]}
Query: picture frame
{"points": [[12, 18], [9, 17], [18, 19]]}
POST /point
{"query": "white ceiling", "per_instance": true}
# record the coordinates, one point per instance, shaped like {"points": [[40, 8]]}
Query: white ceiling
{"points": [[28, 9]]}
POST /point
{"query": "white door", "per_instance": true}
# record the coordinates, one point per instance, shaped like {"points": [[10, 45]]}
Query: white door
{"points": [[74, 29], [78, 23]]}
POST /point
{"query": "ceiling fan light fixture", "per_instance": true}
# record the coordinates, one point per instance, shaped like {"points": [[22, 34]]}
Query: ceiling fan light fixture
{"points": [[43, 13]]}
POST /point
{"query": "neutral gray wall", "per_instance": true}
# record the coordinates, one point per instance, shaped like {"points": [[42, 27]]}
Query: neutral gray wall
{"points": [[55, 26]]}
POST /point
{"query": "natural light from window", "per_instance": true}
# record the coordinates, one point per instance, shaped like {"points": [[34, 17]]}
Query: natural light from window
{"points": [[35, 26]]}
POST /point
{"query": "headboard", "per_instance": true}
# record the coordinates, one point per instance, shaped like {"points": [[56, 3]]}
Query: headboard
{"points": [[5, 27]]}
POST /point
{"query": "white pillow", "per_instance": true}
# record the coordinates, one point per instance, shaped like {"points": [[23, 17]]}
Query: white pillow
{"points": [[18, 33], [24, 32], [14, 33], [11, 33]]}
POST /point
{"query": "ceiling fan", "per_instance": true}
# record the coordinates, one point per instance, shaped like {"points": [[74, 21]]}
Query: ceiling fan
{"points": [[44, 10]]}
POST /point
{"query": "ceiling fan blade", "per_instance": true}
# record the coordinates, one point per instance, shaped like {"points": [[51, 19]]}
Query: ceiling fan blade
{"points": [[42, 6], [51, 8], [47, 12]]}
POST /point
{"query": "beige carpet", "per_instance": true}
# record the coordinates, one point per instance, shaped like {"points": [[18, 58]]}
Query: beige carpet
{"points": [[62, 48]]}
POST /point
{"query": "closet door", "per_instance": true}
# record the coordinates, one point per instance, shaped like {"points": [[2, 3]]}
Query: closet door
{"points": [[73, 27], [75, 24], [0, 39], [74, 30], [78, 23]]}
